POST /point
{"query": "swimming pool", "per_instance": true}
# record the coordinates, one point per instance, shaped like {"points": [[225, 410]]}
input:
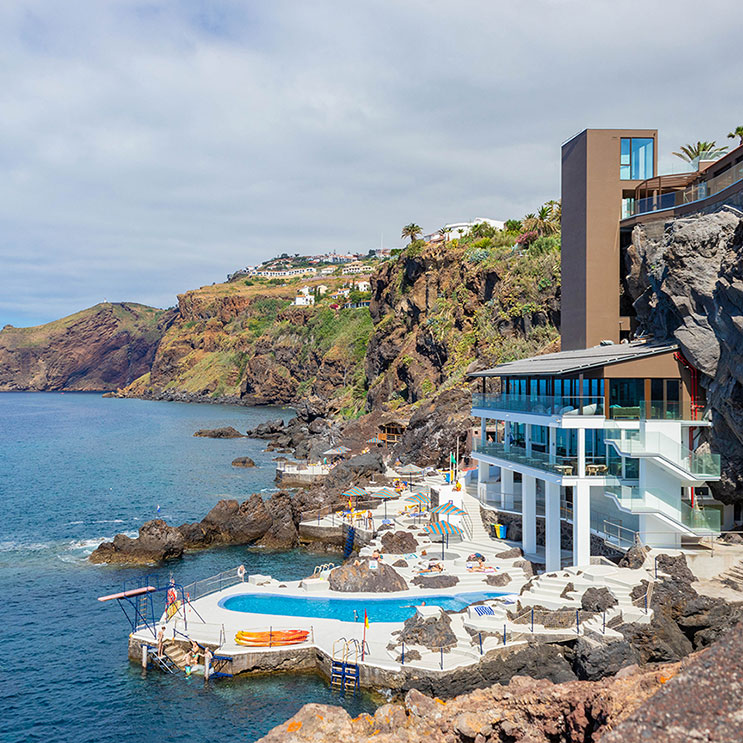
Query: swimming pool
{"points": [[383, 609]]}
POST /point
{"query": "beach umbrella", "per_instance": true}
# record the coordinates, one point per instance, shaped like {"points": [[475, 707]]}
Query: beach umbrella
{"points": [[337, 451], [409, 470], [354, 492], [443, 529], [448, 509], [384, 494], [421, 498]]}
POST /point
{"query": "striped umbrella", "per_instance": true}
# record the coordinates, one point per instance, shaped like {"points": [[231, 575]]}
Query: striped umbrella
{"points": [[421, 498], [443, 529], [448, 509], [354, 492], [384, 494]]}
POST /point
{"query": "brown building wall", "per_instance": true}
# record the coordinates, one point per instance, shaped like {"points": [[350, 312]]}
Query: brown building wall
{"points": [[591, 209]]}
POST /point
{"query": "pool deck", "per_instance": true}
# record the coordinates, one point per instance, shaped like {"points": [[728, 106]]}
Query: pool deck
{"points": [[478, 637]]}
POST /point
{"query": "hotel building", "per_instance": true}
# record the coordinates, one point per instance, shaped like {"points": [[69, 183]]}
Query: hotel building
{"points": [[605, 435]]}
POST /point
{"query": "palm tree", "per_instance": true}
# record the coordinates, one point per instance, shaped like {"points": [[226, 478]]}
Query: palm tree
{"points": [[412, 231], [701, 150], [737, 132], [543, 222]]}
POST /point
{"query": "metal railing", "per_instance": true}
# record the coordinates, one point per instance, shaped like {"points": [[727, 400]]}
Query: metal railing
{"points": [[214, 583], [691, 194], [303, 468]]}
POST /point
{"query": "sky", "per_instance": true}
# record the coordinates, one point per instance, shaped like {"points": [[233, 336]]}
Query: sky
{"points": [[147, 148]]}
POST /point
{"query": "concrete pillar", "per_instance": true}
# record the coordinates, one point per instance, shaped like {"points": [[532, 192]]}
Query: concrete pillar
{"points": [[527, 439], [552, 439], [582, 524], [529, 513], [581, 452], [506, 488], [483, 472], [552, 527], [144, 655]]}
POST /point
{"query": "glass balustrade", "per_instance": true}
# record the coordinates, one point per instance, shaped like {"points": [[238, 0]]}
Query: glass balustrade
{"points": [[540, 404], [653, 443], [559, 465]]}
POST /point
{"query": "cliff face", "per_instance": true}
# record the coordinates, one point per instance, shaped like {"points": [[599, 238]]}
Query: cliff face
{"points": [[250, 344], [686, 280], [440, 311], [101, 348]]}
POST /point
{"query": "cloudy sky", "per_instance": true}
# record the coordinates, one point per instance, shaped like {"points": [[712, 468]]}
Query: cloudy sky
{"points": [[151, 147]]}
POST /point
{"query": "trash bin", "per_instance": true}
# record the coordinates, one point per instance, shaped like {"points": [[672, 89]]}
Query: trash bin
{"points": [[502, 531], [447, 478]]}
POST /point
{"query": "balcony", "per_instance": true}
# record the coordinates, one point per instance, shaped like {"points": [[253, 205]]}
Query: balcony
{"points": [[700, 465], [549, 405], [634, 500], [689, 195]]}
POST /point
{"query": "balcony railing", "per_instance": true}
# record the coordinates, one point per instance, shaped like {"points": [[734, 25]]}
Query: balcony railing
{"points": [[541, 404], [695, 192], [633, 499], [655, 409], [702, 465]]}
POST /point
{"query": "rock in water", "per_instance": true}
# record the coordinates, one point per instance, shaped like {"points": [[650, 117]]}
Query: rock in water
{"points": [[358, 576], [239, 523], [243, 462], [156, 542], [227, 432]]}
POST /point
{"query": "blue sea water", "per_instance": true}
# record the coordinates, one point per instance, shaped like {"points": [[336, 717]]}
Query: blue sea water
{"points": [[78, 468], [382, 609]]}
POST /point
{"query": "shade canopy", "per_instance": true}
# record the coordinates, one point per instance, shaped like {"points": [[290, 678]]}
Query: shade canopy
{"points": [[444, 528], [384, 494], [354, 492], [421, 498], [449, 509], [409, 469], [338, 450]]}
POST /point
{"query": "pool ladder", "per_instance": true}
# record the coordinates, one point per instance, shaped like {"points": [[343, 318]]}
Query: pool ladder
{"points": [[344, 672]]}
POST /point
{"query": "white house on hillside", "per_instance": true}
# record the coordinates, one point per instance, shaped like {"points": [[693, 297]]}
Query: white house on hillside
{"points": [[304, 300]]}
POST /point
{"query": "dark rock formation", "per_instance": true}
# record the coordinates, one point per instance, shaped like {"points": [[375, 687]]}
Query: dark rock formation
{"points": [[155, 543], [399, 543], [399, 564], [598, 599], [569, 588], [435, 581], [499, 579], [431, 632], [685, 277], [358, 576], [227, 432], [282, 533], [634, 557], [243, 462], [510, 554], [596, 660]]}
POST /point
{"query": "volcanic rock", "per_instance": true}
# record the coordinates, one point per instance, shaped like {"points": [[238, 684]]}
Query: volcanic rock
{"points": [[598, 599], [243, 462], [431, 632], [358, 576], [499, 579], [227, 432], [435, 581], [156, 542], [399, 543]]}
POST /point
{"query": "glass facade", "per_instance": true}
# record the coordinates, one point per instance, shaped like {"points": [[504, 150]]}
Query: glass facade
{"points": [[636, 158]]}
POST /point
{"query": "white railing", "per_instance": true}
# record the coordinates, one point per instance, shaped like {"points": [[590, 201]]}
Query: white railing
{"points": [[214, 583]]}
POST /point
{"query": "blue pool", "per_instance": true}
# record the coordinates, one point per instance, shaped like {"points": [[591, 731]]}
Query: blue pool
{"points": [[387, 609]]}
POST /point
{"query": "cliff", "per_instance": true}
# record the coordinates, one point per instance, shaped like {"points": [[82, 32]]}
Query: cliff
{"points": [[248, 343], [685, 278], [100, 348]]}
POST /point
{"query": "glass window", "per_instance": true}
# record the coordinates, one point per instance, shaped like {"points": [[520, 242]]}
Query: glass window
{"points": [[636, 158], [628, 203]]}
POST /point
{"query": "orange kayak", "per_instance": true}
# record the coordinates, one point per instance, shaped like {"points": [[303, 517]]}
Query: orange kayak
{"points": [[271, 639]]}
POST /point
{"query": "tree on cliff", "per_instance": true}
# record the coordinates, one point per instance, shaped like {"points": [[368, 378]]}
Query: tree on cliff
{"points": [[700, 150], [737, 132], [412, 231], [544, 222]]}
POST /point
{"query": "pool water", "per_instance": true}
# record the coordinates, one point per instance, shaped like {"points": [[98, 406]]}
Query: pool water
{"points": [[392, 609]]}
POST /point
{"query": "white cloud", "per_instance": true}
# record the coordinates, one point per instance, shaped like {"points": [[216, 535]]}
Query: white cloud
{"points": [[147, 148]]}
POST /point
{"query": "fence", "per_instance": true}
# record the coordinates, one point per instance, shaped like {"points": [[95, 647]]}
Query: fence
{"points": [[214, 583]]}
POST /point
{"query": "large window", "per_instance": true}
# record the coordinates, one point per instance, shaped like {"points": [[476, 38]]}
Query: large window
{"points": [[636, 158]]}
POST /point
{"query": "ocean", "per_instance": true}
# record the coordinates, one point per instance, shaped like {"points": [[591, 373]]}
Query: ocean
{"points": [[75, 469]]}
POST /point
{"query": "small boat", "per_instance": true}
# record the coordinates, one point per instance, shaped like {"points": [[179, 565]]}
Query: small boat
{"points": [[272, 638]]}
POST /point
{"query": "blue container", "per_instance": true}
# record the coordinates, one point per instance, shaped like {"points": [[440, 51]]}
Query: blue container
{"points": [[502, 531]]}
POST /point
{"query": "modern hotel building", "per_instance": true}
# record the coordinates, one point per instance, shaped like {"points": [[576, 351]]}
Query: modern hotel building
{"points": [[605, 435]]}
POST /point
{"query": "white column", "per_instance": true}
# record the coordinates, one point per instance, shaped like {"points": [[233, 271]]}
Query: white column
{"points": [[552, 527], [483, 472], [581, 452], [582, 524], [529, 514], [552, 439], [527, 439], [506, 488]]}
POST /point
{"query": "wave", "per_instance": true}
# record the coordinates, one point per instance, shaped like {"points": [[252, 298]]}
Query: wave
{"points": [[84, 546]]}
